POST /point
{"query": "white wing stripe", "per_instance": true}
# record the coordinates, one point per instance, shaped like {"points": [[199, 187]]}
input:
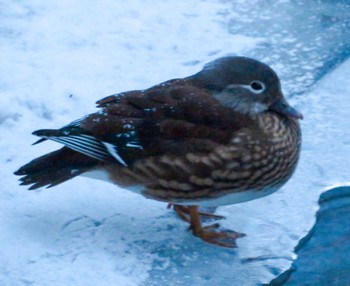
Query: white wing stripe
{"points": [[134, 145], [82, 144], [92, 142], [112, 150], [91, 147], [77, 147]]}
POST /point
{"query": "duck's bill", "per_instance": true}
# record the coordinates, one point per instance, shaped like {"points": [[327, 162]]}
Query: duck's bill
{"points": [[282, 106]]}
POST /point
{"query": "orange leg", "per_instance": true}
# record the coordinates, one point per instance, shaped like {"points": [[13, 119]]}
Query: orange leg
{"points": [[184, 213], [191, 215]]}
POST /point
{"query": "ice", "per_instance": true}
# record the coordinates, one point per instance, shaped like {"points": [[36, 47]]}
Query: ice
{"points": [[302, 40], [59, 57]]}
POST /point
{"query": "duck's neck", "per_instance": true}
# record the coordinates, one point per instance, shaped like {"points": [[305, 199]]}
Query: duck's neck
{"points": [[279, 127]]}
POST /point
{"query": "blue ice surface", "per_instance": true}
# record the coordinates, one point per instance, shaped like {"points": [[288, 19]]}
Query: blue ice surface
{"points": [[306, 38]]}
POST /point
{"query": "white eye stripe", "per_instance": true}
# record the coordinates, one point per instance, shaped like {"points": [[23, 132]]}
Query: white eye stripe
{"points": [[249, 87], [255, 86]]}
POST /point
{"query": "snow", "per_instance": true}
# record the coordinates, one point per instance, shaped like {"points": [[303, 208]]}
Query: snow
{"points": [[59, 57]]}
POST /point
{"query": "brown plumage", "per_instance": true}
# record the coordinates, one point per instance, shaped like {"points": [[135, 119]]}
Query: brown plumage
{"points": [[222, 136]]}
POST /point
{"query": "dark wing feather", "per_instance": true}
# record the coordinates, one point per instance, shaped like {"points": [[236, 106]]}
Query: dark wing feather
{"points": [[165, 119], [170, 118], [75, 123], [78, 140], [54, 168], [103, 148]]}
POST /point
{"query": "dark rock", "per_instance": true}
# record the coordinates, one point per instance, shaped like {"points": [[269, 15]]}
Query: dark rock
{"points": [[324, 254]]}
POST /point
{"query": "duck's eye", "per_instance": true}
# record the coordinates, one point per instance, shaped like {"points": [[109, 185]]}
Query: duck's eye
{"points": [[257, 86]]}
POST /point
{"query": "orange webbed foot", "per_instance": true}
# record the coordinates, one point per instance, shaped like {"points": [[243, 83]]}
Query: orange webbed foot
{"points": [[210, 233]]}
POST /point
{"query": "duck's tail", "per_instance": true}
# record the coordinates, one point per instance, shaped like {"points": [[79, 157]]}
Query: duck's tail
{"points": [[55, 168]]}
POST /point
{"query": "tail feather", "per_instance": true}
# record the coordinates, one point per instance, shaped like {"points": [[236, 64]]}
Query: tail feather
{"points": [[39, 141], [55, 168]]}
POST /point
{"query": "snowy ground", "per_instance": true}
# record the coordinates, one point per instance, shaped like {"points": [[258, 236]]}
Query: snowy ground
{"points": [[59, 57]]}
